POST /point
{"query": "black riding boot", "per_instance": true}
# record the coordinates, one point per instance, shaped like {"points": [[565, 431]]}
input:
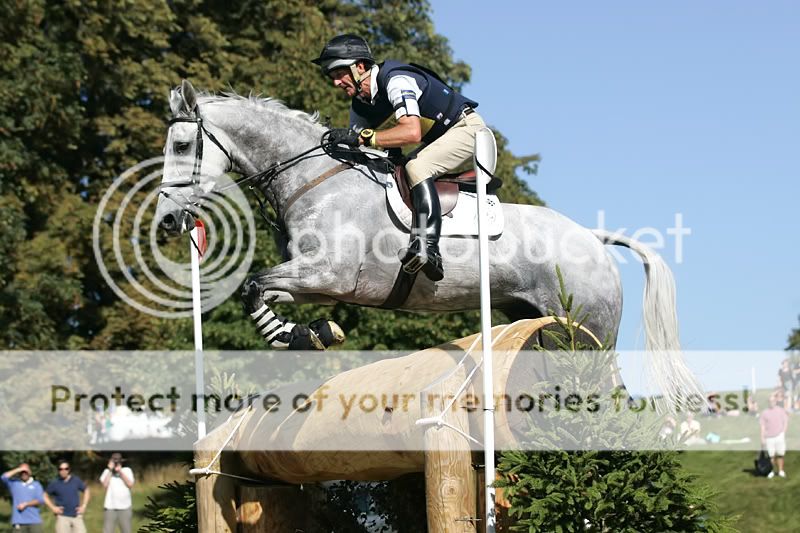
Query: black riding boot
{"points": [[423, 250]]}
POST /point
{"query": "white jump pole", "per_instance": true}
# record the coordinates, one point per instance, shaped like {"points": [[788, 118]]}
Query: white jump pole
{"points": [[197, 317], [486, 154]]}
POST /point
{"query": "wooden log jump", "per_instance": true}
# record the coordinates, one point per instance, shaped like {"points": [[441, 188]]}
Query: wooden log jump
{"points": [[378, 437]]}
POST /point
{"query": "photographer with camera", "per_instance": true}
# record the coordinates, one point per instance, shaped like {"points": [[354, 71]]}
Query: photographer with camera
{"points": [[118, 506]]}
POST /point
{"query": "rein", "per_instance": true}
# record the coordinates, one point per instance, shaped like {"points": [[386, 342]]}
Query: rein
{"points": [[266, 176]]}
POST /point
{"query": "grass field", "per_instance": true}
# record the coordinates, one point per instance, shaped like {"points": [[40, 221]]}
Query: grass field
{"points": [[763, 505]]}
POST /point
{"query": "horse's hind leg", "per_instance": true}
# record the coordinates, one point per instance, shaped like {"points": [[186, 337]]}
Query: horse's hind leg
{"points": [[280, 333]]}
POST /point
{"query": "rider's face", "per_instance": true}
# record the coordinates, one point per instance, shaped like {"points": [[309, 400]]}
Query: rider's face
{"points": [[343, 79]]}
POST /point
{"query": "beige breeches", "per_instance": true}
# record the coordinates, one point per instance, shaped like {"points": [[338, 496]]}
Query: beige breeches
{"points": [[452, 152]]}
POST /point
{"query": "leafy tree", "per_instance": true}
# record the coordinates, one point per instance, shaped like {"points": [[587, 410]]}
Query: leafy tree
{"points": [[84, 96], [793, 343], [41, 463]]}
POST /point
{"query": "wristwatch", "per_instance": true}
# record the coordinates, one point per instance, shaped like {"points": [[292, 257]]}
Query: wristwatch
{"points": [[368, 135]]}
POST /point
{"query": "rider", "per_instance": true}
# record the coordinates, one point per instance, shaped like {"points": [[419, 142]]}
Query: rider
{"points": [[411, 105]]}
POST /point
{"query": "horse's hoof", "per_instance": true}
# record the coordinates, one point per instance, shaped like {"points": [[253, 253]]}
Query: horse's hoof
{"points": [[251, 297], [328, 331], [303, 338]]}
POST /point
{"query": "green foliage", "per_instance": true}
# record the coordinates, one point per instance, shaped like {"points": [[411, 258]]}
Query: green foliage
{"points": [[375, 507], [793, 342], [173, 510], [41, 463], [601, 486]]}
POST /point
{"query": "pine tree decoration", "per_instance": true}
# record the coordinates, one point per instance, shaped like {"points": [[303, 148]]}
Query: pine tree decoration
{"points": [[588, 475]]}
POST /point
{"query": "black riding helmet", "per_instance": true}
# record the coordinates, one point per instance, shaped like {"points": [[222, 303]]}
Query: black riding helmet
{"points": [[344, 51]]}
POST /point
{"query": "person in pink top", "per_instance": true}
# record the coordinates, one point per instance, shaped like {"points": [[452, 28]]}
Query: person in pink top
{"points": [[774, 422]]}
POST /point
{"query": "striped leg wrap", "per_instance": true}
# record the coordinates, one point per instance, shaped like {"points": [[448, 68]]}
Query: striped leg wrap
{"points": [[275, 329]]}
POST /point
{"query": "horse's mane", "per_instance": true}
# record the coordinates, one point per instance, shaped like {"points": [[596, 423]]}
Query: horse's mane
{"points": [[257, 102]]}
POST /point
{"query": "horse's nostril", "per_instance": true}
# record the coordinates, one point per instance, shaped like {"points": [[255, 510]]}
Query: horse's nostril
{"points": [[168, 223]]}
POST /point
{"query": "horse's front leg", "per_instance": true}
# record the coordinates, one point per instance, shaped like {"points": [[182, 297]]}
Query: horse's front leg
{"points": [[296, 281], [281, 333]]}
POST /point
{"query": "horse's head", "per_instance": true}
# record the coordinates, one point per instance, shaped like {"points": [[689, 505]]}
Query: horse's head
{"points": [[191, 163]]}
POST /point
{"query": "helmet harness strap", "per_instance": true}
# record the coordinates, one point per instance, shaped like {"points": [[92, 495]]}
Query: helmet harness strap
{"points": [[358, 78]]}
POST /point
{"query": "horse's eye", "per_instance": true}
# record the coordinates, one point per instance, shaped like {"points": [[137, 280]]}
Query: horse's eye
{"points": [[181, 147]]}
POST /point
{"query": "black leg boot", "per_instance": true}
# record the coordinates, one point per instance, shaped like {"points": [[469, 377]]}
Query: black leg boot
{"points": [[423, 250], [429, 198]]}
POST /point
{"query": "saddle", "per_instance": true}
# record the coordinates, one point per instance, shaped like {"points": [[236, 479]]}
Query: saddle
{"points": [[447, 185]]}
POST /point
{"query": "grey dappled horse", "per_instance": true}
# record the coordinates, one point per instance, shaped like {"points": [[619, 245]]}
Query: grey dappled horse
{"points": [[342, 242]]}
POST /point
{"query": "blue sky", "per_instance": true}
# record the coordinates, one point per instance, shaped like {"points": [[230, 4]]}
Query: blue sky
{"points": [[649, 110]]}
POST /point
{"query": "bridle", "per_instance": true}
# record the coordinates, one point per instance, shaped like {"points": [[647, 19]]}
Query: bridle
{"points": [[198, 155], [194, 182]]}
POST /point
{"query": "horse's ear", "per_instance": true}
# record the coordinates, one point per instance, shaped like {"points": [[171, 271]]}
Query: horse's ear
{"points": [[189, 96], [175, 102]]}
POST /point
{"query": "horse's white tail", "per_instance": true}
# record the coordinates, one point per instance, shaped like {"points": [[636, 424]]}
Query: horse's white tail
{"points": [[666, 368]]}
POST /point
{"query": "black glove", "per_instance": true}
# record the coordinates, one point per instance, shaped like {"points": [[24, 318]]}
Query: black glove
{"points": [[343, 136]]}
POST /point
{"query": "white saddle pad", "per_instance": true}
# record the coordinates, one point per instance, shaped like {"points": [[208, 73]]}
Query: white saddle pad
{"points": [[461, 221]]}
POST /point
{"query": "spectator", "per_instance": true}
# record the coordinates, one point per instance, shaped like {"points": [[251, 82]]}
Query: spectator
{"points": [[63, 498], [668, 428], [690, 431], [786, 378], [774, 422], [26, 496], [118, 506], [713, 404], [752, 405]]}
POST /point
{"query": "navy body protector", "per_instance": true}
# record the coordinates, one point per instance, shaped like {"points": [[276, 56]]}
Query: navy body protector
{"points": [[438, 102]]}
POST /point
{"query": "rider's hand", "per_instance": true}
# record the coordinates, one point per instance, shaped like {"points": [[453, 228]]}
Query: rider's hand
{"points": [[343, 136]]}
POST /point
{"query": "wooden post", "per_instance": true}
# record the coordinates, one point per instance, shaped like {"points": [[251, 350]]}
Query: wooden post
{"points": [[449, 476], [274, 509], [503, 523], [216, 494], [216, 502]]}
